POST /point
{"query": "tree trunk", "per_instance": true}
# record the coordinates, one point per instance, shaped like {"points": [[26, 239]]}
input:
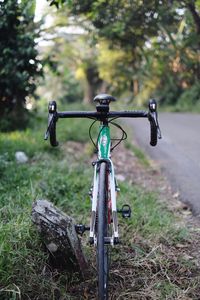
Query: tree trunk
{"points": [[195, 16], [89, 92], [103, 88], [135, 87], [58, 233], [93, 82]]}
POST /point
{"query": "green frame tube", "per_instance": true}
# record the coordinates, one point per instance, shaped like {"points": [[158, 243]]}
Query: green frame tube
{"points": [[104, 142]]}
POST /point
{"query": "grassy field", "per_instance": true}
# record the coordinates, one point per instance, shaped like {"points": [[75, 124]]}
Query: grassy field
{"points": [[144, 267]]}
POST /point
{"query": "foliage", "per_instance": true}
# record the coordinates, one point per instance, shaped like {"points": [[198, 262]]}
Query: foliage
{"points": [[128, 23], [160, 51], [115, 67], [19, 65], [66, 88], [189, 99], [71, 61]]}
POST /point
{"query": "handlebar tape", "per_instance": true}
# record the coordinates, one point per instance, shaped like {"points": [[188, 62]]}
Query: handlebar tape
{"points": [[152, 119], [153, 132], [52, 134], [52, 127]]}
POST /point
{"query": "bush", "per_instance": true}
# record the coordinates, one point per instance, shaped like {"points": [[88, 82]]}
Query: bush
{"points": [[190, 99], [19, 65]]}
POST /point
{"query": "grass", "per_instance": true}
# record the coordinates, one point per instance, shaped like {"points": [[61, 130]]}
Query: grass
{"points": [[65, 178], [138, 153], [44, 176]]}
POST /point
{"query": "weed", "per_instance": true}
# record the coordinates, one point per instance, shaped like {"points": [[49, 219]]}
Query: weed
{"points": [[138, 153]]}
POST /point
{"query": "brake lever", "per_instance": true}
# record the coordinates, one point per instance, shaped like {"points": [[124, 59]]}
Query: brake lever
{"points": [[159, 132], [157, 125], [154, 114]]}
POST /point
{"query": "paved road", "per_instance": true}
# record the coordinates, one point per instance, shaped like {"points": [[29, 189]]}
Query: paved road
{"points": [[178, 152]]}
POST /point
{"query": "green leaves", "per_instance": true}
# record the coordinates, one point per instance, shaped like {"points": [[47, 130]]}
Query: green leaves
{"points": [[17, 48], [159, 41]]}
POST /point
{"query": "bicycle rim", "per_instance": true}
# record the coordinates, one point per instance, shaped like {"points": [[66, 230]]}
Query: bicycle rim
{"points": [[102, 249]]}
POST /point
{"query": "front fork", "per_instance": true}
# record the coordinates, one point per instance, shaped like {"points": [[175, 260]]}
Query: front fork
{"points": [[112, 187]]}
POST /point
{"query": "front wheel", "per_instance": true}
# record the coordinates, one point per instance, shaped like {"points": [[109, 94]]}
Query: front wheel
{"points": [[102, 231]]}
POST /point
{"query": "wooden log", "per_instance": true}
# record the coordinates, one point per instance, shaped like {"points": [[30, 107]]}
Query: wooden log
{"points": [[58, 233]]}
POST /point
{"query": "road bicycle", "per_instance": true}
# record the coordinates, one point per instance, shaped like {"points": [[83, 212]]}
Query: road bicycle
{"points": [[103, 229]]}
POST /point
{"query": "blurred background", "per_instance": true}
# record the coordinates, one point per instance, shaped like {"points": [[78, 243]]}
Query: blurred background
{"points": [[71, 50], [68, 51]]}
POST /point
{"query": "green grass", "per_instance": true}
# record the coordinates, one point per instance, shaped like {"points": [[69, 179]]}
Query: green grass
{"points": [[57, 175], [150, 218], [138, 153], [48, 174]]}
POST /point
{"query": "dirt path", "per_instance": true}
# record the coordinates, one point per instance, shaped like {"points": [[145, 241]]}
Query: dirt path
{"points": [[178, 153]]}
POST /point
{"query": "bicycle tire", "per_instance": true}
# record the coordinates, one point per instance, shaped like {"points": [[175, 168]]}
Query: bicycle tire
{"points": [[102, 230]]}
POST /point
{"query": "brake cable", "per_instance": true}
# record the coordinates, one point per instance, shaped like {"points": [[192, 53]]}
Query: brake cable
{"points": [[123, 137]]}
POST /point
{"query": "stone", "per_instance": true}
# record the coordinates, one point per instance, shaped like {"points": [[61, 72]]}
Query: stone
{"points": [[21, 157]]}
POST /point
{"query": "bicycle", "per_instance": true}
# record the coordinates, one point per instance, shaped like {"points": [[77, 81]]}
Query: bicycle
{"points": [[104, 222]]}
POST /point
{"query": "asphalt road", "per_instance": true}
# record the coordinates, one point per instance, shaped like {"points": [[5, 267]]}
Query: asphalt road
{"points": [[178, 153]]}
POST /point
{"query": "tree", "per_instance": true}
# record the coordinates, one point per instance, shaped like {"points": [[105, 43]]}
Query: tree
{"points": [[124, 22], [127, 26], [71, 60], [19, 65], [160, 37]]}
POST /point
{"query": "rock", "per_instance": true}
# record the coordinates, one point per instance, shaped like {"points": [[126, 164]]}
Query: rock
{"points": [[58, 233], [21, 157]]}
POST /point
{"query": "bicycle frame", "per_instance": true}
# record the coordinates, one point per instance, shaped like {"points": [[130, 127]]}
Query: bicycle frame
{"points": [[104, 145]]}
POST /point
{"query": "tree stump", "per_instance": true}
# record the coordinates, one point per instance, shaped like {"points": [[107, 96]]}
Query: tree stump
{"points": [[58, 233]]}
